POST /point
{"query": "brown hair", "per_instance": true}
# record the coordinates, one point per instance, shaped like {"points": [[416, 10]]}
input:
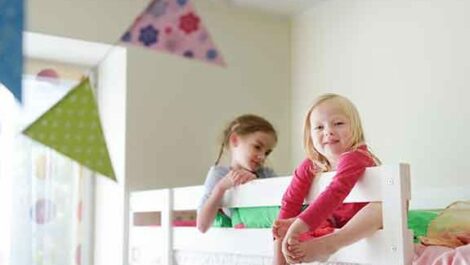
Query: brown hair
{"points": [[244, 125], [351, 113]]}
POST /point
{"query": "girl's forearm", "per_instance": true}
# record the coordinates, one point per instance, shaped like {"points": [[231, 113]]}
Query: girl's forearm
{"points": [[208, 211]]}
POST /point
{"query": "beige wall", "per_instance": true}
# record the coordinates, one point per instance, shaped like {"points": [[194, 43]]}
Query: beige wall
{"points": [[406, 66], [176, 107]]}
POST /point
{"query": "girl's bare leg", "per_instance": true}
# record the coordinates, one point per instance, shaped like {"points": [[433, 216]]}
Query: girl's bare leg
{"points": [[278, 257], [366, 222]]}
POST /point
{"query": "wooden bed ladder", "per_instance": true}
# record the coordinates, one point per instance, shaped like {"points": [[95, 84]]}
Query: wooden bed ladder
{"points": [[393, 245]]}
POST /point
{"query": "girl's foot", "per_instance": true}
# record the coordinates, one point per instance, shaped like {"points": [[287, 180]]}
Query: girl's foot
{"points": [[316, 249]]}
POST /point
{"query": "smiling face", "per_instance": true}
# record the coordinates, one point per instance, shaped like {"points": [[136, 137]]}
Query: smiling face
{"points": [[250, 151], [331, 131]]}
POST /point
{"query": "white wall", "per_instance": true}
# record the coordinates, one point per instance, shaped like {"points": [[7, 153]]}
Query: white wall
{"points": [[405, 64], [177, 108]]}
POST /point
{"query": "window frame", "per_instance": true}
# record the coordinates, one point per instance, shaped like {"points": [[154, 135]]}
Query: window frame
{"points": [[109, 200]]}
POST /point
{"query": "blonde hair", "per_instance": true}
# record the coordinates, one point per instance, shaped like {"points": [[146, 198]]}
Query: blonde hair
{"points": [[244, 125], [350, 111]]}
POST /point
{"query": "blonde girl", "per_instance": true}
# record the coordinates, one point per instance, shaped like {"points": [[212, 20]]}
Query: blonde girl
{"points": [[334, 141]]}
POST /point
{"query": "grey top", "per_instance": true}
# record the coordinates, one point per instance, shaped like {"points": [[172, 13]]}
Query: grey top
{"points": [[216, 173]]}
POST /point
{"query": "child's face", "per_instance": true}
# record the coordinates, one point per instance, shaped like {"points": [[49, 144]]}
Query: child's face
{"points": [[250, 151], [330, 130]]}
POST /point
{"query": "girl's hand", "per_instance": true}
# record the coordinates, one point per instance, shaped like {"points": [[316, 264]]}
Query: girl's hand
{"points": [[236, 177], [241, 176], [290, 250], [290, 243], [281, 226]]}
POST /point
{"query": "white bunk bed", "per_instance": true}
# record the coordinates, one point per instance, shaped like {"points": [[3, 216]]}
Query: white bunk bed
{"points": [[168, 245]]}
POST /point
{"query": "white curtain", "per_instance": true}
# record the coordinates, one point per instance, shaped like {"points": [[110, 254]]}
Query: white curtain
{"points": [[42, 191]]}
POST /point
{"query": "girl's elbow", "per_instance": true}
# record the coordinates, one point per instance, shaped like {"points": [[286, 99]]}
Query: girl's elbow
{"points": [[202, 227]]}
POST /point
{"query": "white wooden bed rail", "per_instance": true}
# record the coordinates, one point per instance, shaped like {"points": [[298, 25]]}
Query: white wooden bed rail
{"points": [[389, 184]]}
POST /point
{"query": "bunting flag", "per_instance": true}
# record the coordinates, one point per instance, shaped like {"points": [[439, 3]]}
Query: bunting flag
{"points": [[173, 26], [72, 127], [11, 45]]}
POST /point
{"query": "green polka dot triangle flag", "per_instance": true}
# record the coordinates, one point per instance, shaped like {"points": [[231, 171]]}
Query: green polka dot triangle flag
{"points": [[72, 127]]}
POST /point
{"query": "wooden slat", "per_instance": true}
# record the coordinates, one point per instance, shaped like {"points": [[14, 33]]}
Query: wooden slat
{"points": [[260, 192], [258, 242], [367, 189], [224, 240], [187, 198], [268, 192], [147, 201]]}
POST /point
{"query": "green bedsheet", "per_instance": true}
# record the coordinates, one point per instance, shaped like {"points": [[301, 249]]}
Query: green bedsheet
{"points": [[263, 217]]}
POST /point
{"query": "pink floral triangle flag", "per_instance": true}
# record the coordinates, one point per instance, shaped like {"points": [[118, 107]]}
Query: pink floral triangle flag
{"points": [[173, 26]]}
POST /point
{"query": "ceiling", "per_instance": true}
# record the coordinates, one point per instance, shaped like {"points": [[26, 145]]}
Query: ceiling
{"points": [[280, 7]]}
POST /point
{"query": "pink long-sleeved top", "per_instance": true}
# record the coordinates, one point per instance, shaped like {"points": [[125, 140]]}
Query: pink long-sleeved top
{"points": [[328, 206]]}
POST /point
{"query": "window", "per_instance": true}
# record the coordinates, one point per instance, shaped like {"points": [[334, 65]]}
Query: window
{"points": [[45, 195], [108, 220]]}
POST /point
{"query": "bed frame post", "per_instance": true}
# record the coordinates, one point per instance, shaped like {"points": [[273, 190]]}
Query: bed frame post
{"points": [[131, 249], [167, 229], [396, 194]]}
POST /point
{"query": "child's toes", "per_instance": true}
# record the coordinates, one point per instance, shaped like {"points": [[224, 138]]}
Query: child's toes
{"points": [[293, 241], [296, 251]]}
